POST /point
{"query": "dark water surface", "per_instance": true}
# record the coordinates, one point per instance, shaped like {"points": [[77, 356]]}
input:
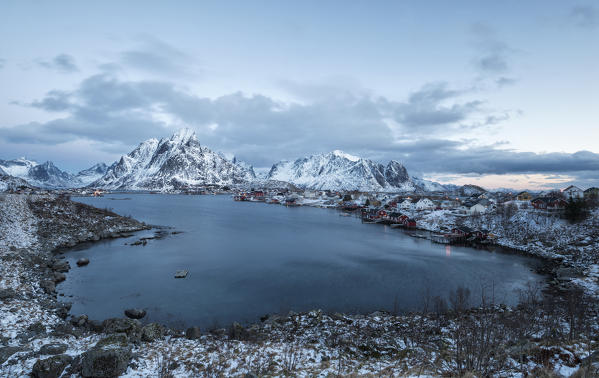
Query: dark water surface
{"points": [[248, 259]]}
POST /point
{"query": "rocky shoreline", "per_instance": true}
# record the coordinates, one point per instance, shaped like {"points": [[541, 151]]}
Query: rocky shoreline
{"points": [[38, 340]]}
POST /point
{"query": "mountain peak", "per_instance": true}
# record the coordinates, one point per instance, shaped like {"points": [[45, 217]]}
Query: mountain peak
{"points": [[344, 155], [174, 163], [338, 170], [183, 136]]}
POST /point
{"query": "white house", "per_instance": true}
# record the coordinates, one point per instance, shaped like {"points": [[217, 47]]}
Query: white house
{"points": [[573, 192], [424, 204], [406, 204], [479, 208]]}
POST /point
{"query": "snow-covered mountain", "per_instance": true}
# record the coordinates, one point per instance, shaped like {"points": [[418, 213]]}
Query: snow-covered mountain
{"points": [[87, 176], [48, 176], [18, 167], [173, 163], [8, 182], [427, 185], [45, 175], [340, 171], [471, 190], [433, 186]]}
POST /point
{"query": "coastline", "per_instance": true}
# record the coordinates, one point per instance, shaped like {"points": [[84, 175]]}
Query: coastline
{"points": [[304, 344]]}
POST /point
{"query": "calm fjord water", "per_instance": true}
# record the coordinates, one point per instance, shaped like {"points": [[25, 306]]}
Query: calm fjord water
{"points": [[249, 259]]}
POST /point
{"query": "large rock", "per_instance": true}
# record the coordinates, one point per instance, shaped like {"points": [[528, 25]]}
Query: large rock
{"points": [[53, 348], [82, 261], [6, 294], [193, 333], [51, 367], [59, 277], [61, 266], [118, 339], [130, 327], [181, 273], [6, 352], [109, 358], [566, 273], [135, 313], [79, 321], [151, 332], [238, 332], [48, 286]]}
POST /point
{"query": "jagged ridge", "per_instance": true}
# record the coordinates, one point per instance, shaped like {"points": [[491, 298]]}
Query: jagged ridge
{"points": [[340, 171], [175, 163]]}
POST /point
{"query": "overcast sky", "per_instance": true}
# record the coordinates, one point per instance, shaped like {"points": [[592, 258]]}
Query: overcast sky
{"points": [[497, 93]]}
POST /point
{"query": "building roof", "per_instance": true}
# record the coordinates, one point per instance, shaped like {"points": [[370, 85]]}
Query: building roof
{"points": [[572, 187]]}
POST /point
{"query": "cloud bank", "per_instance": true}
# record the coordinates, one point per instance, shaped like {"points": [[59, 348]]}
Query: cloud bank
{"points": [[108, 111]]}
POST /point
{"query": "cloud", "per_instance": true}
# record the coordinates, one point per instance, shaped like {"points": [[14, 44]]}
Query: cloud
{"points": [[585, 16], [104, 108], [505, 81], [114, 114], [493, 54], [425, 109], [460, 157], [2, 63], [158, 57], [63, 63]]}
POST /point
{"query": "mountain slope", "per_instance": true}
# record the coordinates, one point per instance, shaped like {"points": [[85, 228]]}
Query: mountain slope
{"points": [[8, 182], [45, 175], [18, 167], [87, 176], [174, 163], [340, 171]]}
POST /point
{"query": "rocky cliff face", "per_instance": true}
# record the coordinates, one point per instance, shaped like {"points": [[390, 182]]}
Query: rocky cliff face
{"points": [[340, 171], [177, 162]]}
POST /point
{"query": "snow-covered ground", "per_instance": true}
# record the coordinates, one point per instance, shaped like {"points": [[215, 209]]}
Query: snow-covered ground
{"points": [[491, 341]]}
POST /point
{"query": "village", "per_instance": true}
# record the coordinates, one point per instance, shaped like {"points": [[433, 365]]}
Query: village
{"points": [[450, 216]]}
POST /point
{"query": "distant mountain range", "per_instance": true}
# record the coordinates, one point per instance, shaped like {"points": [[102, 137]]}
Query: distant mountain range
{"points": [[340, 171], [47, 175], [180, 162]]}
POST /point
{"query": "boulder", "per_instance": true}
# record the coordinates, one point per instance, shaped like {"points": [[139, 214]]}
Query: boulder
{"points": [[79, 321], [193, 333], [6, 294], [106, 359], [6, 352], [238, 332], [63, 309], [48, 286], [53, 348], [59, 277], [95, 325], [130, 327], [51, 367], [135, 313], [119, 339], [61, 266], [82, 261], [37, 328], [151, 332], [181, 273], [566, 273]]}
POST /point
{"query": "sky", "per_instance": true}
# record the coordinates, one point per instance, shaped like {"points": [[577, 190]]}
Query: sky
{"points": [[498, 94]]}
